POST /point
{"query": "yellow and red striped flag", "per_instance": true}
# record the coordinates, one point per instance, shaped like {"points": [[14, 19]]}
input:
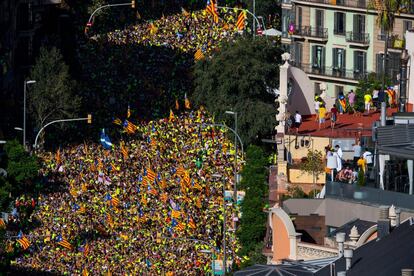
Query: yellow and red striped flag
{"points": [[128, 112], [197, 186], [115, 201], [57, 156], [191, 223], [241, 21], [175, 214], [177, 105], [211, 9], [151, 175], [198, 55], [63, 242], [180, 226], [2, 224], [171, 118], [86, 250], [117, 121], [23, 241], [124, 150], [85, 272], [187, 103]]}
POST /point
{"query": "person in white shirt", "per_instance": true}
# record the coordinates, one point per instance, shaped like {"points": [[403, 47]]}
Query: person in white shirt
{"points": [[368, 157], [339, 155], [298, 121]]}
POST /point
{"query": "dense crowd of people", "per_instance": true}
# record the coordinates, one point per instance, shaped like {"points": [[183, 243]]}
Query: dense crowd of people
{"points": [[131, 209], [187, 32]]}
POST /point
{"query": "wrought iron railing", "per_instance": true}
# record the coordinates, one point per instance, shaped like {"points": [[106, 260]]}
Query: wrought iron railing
{"points": [[308, 31], [362, 38], [332, 71]]}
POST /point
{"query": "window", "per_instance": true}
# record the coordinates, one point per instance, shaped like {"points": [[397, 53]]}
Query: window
{"points": [[299, 16], [339, 27], [338, 90], [318, 57], [360, 63], [298, 54], [359, 24], [338, 62], [381, 36], [319, 14], [407, 25], [317, 88]]}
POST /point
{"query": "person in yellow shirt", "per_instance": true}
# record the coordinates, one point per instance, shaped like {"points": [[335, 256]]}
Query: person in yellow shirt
{"points": [[362, 164], [368, 101], [322, 115]]}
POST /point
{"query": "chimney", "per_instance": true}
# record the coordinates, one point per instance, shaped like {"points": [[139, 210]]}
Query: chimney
{"points": [[392, 216], [383, 224], [341, 273], [340, 239], [398, 218], [354, 235], [348, 254], [406, 272]]}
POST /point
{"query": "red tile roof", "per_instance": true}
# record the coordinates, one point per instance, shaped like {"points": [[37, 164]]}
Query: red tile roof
{"points": [[347, 125]]}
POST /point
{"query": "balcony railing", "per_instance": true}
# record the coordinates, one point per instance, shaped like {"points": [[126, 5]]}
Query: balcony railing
{"points": [[332, 72], [394, 42], [344, 3], [362, 38], [307, 31], [368, 195]]}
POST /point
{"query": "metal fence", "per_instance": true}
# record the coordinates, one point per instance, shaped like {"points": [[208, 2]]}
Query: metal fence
{"points": [[367, 195]]}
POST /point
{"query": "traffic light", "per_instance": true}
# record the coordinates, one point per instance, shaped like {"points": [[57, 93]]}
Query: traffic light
{"points": [[133, 4], [89, 118]]}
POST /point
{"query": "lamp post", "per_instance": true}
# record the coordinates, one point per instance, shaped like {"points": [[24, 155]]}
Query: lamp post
{"points": [[235, 159], [88, 119], [219, 176], [403, 80], [24, 109]]}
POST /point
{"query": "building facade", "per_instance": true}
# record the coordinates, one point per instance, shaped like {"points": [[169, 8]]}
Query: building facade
{"points": [[337, 42]]}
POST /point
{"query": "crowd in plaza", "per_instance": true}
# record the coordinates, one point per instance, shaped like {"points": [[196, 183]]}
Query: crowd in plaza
{"points": [[187, 31], [131, 209]]}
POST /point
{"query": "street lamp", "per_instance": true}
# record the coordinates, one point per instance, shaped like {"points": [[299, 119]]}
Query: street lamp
{"points": [[219, 176], [403, 80], [24, 109], [235, 159]]}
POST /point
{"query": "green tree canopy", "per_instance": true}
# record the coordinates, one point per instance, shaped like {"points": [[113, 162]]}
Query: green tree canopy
{"points": [[238, 78], [252, 227], [52, 97]]}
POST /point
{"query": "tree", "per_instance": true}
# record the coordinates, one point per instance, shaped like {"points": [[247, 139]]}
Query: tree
{"points": [[52, 97], [239, 78], [386, 10], [252, 228], [369, 84], [22, 168], [313, 164]]}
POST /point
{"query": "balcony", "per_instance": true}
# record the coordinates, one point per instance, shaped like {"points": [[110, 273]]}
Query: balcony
{"points": [[333, 73], [311, 33], [394, 42], [361, 4], [357, 39]]}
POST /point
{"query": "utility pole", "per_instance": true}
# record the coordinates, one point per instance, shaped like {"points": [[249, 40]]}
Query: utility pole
{"points": [[24, 109]]}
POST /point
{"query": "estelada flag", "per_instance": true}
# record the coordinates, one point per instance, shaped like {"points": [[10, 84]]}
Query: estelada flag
{"points": [[241, 21]]}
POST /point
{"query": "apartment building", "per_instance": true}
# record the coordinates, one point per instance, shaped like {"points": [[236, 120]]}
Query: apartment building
{"points": [[337, 42]]}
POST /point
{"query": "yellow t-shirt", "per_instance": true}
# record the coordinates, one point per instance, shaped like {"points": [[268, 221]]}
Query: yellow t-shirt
{"points": [[322, 112], [367, 98], [361, 163]]}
